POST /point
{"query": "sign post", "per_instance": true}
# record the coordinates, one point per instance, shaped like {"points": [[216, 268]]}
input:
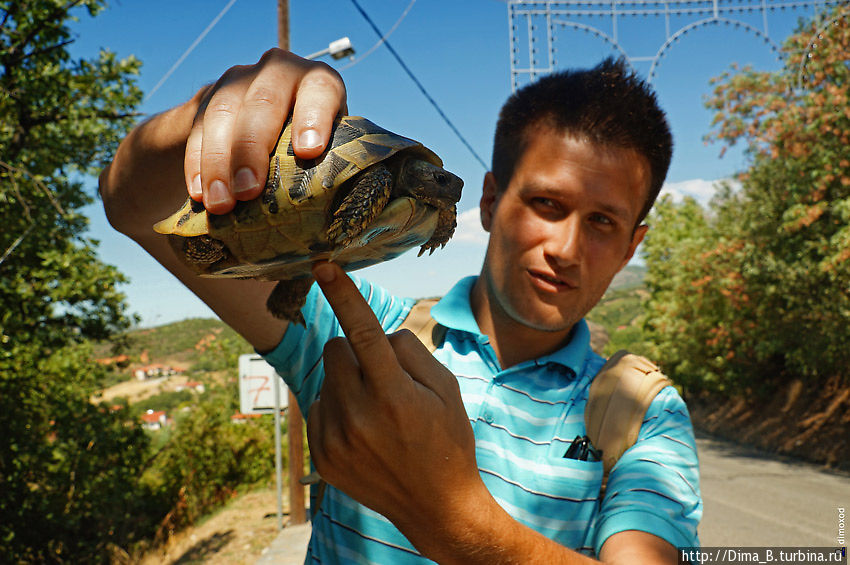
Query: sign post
{"points": [[262, 391], [278, 463]]}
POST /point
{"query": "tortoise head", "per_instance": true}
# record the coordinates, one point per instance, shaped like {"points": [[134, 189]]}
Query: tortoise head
{"points": [[429, 183]]}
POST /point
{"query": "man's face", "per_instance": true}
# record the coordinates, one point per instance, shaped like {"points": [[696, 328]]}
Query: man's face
{"points": [[561, 229]]}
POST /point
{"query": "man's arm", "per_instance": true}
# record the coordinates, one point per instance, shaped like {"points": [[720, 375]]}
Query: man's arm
{"points": [[390, 430], [215, 148]]}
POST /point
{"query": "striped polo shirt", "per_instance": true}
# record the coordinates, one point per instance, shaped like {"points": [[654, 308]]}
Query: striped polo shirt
{"points": [[524, 419]]}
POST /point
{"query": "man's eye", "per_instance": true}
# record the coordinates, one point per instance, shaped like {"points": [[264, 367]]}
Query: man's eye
{"points": [[601, 219], [544, 202]]}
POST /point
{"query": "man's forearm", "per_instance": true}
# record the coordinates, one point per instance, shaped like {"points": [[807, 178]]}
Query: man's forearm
{"points": [[479, 531], [145, 181], [485, 534]]}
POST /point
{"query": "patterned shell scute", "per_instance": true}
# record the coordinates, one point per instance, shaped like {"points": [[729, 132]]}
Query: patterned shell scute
{"points": [[355, 144]]}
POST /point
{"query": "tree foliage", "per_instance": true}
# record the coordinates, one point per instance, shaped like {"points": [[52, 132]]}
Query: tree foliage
{"points": [[70, 469], [207, 458], [66, 466], [59, 118], [757, 289], [79, 482]]}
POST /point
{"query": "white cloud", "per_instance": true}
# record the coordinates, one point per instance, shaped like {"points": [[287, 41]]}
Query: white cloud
{"points": [[469, 228], [699, 189]]}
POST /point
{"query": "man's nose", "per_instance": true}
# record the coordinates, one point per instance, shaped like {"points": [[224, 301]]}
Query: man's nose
{"points": [[566, 242]]}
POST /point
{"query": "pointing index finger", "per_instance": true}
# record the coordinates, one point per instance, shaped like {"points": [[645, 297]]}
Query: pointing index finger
{"points": [[365, 334]]}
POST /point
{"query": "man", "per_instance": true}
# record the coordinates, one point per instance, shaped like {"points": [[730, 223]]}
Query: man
{"points": [[458, 456]]}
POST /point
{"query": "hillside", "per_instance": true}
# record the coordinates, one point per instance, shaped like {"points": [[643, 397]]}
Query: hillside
{"points": [[630, 277], [212, 474], [178, 340], [170, 356], [619, 312]]}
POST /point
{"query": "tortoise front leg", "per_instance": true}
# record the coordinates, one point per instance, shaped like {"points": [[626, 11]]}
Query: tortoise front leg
{"points": [[200, 249], [367, 198], [446, 224]]}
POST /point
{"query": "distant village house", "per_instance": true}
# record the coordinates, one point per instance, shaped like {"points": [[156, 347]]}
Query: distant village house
{"points": [[155, 371], [194, 386], [154, 420], [119, 360], [240, 418]]}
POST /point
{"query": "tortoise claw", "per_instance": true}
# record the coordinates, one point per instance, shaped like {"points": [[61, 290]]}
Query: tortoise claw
{"points": [[443, 232], [203, 249]]}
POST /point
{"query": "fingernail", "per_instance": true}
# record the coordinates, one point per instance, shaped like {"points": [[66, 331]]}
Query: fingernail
{"points": [[324, 272], [195, 189], [244, 181], [218, 193], [308, 139]]}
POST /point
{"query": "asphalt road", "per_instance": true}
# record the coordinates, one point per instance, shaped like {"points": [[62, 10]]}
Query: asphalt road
{"points": [[757, 500]]}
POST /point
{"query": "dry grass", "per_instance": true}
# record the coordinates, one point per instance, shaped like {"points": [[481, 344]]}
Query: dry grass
{"points": [[234, 535]]}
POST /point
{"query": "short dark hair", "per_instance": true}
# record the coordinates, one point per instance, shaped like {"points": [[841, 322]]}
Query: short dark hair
{"points": [[607, 105]]}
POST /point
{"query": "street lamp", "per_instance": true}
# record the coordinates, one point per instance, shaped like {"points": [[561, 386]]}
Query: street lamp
{"points": [[337, 49]]}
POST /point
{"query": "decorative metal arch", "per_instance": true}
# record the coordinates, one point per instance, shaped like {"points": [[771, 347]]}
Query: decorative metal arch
{"points": [[812, 43], [656, 60], [594, 31], [523, 15]]}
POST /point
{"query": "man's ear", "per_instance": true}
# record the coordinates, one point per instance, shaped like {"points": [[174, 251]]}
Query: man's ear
{"points": [[489, 198], [637, 237]]}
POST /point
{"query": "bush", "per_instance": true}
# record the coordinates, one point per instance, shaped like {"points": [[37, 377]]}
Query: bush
{"points": [[69, 470], [208, 457]]}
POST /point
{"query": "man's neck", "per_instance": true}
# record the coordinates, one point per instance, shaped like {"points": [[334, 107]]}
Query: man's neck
{"points": [[512, 341]]}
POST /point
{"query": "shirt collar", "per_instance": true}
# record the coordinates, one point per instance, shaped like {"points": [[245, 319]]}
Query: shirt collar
{"points": [[454, 311]]}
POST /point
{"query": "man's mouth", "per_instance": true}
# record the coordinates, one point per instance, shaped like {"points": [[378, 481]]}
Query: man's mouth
{"points": [[551, 279]]}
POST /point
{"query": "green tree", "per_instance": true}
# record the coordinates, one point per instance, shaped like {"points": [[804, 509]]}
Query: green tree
{"points": [[758, 290], [66, 467]]}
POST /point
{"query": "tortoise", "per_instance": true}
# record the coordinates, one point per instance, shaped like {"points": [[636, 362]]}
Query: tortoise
{"points": [[371, 196]]}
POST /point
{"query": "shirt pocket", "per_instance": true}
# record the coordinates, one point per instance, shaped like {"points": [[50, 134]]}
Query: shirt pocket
{"points": [[569, 497], [554, 496]]}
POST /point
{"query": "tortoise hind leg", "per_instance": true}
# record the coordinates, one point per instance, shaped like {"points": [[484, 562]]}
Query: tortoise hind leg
{"points": [[287, 298], [366, 199]]}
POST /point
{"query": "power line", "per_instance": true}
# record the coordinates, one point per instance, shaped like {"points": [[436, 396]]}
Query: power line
{"points": [[419, 84], [384, 38], [190, 49]]}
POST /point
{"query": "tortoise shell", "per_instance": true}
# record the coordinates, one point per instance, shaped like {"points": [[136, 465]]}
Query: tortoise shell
{"points": [[282, 232]]}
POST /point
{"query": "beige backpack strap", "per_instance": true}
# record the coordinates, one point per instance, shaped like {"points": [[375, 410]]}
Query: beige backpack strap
{"points": [[423, 326], [619, 397]]}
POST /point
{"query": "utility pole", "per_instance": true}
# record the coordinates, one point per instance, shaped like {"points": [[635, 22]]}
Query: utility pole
{"points": [[297, 512], [283, 24]]}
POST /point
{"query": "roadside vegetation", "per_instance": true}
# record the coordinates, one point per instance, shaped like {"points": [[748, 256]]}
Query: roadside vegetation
{"points": [[754, 291], [81, 481]]}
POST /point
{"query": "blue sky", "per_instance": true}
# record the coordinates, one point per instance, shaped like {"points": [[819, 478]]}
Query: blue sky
{"points": [[459, 51]]}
